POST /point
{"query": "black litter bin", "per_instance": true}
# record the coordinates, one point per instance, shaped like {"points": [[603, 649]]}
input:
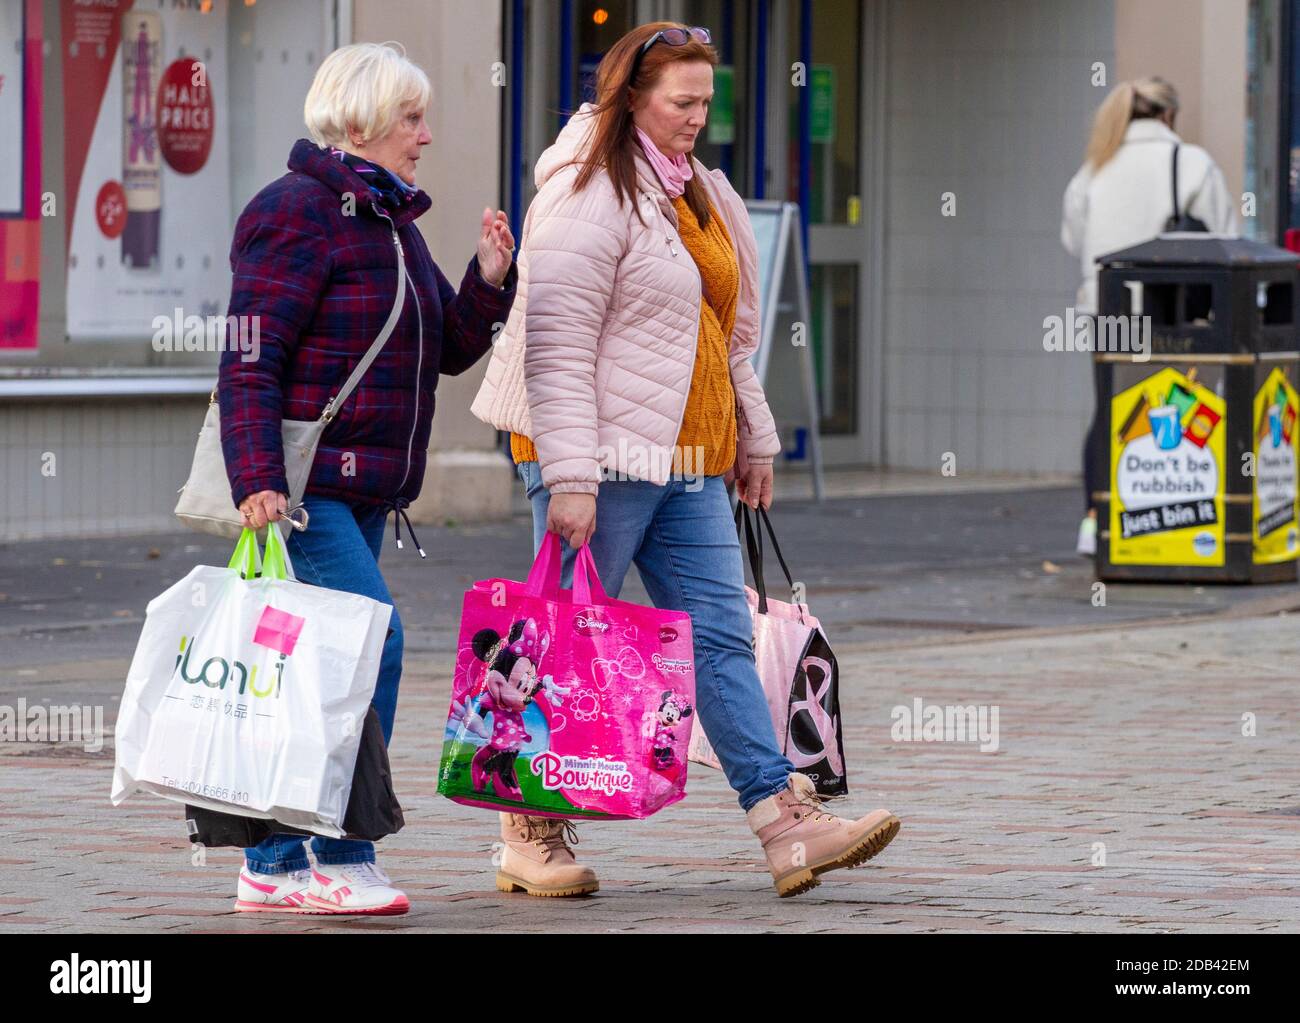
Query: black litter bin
{"points": [[1204, 435]]}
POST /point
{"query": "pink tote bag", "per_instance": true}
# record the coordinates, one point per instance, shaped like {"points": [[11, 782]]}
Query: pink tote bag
{"points": [[799, 674], [567, 703]]}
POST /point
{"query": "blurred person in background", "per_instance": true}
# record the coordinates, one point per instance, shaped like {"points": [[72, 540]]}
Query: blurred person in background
{"points": [[1123, 195]]}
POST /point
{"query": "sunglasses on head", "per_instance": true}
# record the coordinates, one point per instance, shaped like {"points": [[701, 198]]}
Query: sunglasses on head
{"points": [[673, 37]]}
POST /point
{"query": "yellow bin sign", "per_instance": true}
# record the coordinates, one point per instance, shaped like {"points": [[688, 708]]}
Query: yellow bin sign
{"points": [[1167, 473], [1277, 451]]}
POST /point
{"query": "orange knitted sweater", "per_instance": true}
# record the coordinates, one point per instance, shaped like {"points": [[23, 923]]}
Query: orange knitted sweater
{"points": [[706, 443]]}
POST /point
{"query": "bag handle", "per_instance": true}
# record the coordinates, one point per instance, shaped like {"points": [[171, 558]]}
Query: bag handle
{"points": [[246, 560], [762, 514], [587, 588], [372, 353], [754, 543], [276, 563], [544, 577], [1177, 214], [755, 553], [249, 562]]}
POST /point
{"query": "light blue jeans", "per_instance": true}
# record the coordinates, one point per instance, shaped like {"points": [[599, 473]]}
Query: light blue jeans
{"points": [[682, 538], [340, 551]]}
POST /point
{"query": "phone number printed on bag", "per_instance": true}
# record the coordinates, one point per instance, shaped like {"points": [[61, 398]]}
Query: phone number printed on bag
{"points": [[217, 792]]}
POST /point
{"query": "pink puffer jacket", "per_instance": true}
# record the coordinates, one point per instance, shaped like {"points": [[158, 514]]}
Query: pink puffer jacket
{"points": [[595, 360]]}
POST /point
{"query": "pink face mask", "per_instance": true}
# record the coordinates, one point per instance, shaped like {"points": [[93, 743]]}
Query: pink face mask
{"points": [[673, 172]]}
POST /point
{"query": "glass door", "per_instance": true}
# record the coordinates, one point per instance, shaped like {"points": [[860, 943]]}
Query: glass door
{"points": [[825, 89], [598, 25], [726, 140]]}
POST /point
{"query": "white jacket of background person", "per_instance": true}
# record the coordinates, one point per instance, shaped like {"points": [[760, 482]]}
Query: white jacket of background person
{"points": [[1131, 197]]}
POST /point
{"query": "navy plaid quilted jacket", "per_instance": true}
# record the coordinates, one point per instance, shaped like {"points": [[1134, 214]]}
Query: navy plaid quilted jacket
{"points": [[323, 283]]}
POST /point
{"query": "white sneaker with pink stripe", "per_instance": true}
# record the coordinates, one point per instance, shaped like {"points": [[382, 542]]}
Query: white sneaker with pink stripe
{"points": [[274, 893], [354, 888]]}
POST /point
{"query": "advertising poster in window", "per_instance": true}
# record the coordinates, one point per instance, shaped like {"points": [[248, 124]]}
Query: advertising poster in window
{"points": [[1167, 472], [147, 163], [20, 172], [1277, 450]]}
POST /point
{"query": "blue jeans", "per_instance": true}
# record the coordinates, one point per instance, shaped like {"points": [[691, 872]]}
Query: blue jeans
{"points": [[682, 538], [340, 550]]}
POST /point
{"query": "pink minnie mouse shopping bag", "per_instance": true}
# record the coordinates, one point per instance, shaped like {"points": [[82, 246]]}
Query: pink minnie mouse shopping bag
{"points": [[567, 703]]}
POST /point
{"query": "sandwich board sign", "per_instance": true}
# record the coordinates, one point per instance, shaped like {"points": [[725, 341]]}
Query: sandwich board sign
{"points": [[783, 359]]}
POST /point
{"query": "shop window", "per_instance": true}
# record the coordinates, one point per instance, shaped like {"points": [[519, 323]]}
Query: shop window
{"points": [[168, 117]]}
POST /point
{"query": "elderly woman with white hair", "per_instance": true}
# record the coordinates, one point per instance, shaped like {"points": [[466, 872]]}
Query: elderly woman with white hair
{"points": [[315, 258]]}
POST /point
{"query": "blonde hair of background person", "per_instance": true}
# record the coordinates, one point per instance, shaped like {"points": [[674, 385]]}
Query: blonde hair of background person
{"points": [[1146, 97]]}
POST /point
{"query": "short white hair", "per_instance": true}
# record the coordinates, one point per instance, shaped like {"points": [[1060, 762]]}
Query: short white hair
{"points": [[363, 87]]}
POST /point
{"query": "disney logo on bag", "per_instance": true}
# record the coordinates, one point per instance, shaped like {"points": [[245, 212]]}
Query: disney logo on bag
{"points": [[667, 634], [681, 665], [588, 774], [587, 624], [214, 680]]}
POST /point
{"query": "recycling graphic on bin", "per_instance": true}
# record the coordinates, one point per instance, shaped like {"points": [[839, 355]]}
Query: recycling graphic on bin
{"points": [[1277, 451], [1167, 480]]}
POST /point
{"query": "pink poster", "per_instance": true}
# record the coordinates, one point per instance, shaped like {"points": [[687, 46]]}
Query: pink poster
{"points": [[146, 161], [21, 32]]}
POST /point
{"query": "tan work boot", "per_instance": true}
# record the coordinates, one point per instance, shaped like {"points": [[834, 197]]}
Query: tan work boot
{"points": [[802, 841], [538, 860]]}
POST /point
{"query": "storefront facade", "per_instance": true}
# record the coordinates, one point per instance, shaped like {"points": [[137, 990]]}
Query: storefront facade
{"points": [[928, 141], [100, 403]]}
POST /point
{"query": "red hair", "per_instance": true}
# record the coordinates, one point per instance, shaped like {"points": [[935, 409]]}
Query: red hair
{"points": [[613, 141]]}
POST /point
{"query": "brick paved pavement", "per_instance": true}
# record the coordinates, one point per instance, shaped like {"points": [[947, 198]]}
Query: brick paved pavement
{"points": [[1121, 736], [1110, 733]]}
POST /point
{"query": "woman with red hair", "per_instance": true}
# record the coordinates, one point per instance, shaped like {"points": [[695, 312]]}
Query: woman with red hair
{"points": [[623, 375]]}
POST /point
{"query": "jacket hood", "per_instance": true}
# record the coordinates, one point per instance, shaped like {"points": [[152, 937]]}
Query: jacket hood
{"points": [[570, 147], [308, 158], [571, 141]]}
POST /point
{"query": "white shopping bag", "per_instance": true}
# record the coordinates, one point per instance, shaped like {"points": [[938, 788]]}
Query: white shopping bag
{"points": [[248, 690]]}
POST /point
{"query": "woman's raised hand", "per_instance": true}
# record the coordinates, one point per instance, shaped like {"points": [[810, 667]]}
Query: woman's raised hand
{"points": [[495, 247]]}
